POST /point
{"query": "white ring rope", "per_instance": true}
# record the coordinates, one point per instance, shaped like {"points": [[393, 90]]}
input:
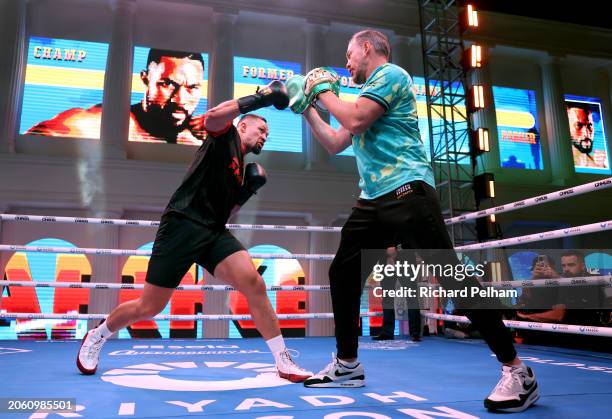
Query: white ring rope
{"points": [[537, 200], [547, 235], [176, 317], [131, 252], [605, 280], [543, 327], [121, 286], [564, 232], [148, 223]]}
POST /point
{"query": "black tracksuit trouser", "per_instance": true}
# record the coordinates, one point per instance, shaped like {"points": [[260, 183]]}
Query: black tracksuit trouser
{"points": [[410, 216]]}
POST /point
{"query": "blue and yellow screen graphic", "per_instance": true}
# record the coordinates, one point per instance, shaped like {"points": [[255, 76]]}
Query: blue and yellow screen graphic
{"points": [[285, 127], [169, 89], [517, 128], [64, 85], [589, 143]]}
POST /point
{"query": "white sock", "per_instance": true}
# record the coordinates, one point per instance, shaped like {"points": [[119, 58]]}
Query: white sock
{"points": [[349, 364], [102, 331], [276, 345]]}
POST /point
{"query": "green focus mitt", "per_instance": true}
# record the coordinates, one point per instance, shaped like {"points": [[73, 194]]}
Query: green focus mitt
{"points": [[297, 99], [319, 80]]}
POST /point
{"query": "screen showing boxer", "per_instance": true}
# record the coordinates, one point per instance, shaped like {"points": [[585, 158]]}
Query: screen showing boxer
{"points": [[587, 135], [169, 89], [285, 126], [518, 132], [64, 86]]}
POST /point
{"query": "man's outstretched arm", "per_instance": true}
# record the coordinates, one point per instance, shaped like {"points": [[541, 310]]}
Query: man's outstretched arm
{"points": [[218, 118]]}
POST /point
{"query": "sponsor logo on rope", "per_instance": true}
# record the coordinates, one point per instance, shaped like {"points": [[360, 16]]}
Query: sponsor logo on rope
{"points": [[519, 204], [567, 192], [602, 183], [500, 208], [541, 198]]}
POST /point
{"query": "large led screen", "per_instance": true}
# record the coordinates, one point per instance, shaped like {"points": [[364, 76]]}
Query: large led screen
{"points": [[169, 90], [589, 142], [518, 133], [285, 126], [64, 84]]}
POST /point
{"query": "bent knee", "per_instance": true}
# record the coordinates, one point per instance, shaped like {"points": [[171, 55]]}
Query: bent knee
{"points": [[254, 284]]}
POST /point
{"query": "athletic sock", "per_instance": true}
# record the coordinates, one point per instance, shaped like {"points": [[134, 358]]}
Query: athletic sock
{"points": [[348, 364], [276, 345], [103, 331]]}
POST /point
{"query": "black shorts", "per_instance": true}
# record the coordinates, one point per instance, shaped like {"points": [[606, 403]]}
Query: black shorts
{"points": [[180, 242]]}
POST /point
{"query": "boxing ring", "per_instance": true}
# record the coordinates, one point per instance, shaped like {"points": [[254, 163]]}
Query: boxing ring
{"points": [[437, 377]]}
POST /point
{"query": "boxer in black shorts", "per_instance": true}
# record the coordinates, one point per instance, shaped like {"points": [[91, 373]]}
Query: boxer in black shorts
{"points": [[192, 228]]}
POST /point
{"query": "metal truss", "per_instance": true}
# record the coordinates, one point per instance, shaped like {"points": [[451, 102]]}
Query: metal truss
{"points": [[448, 120]]}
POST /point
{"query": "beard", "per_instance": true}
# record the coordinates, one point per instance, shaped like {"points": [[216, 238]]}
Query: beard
{"points": [[161, 122], [257, 148], [359, 75], [584, 145]]}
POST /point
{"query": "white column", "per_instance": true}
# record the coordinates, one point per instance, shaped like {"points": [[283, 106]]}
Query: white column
{"points": [[317, 158], [13, 43], [118, 81], [486, 118], [320, 301], [104, 268], [557, 125], [221, 70]]}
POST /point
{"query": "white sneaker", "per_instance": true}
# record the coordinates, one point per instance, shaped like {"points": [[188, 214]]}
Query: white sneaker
{"points": [[289, 370], [89, 353], [515, 392], [338, 375]]}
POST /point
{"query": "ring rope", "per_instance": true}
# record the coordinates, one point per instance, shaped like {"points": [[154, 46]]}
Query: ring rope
{"points": [[553, 234], [605, 280], [149, 223], [537, 200], [544, 327], [133, 252], [547, 235], [175, 317], [121, 286]]}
